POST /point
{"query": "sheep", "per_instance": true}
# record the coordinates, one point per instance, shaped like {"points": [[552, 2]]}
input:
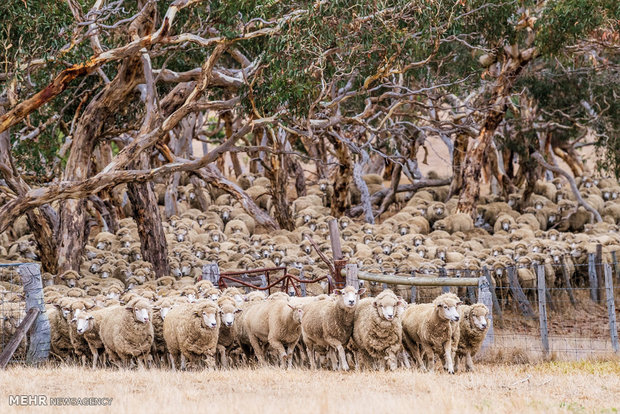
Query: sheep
{"points": [[228, 310], [160, 311], [329, 323], [377, 329], [428, 326], [455, 222], [192, 331], [276, 322], [60, 341], [87, 325], [127, 331], [473, 328]]}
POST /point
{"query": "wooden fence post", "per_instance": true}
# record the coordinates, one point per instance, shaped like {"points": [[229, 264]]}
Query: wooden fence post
{"points": [[600, 276], [592, 277], [351, 278], [485, 297], [542, 308], [18, 337], [334, 238], [614, 257], [470, 289], [414, 296], [496, 307], [611, 307], [443, 273], [302, 286], [211, 272], [40, 336], [517, 293], [567, 283]]}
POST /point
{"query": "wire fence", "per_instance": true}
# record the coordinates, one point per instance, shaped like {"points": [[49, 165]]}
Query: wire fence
{"points": [[12, 310]]}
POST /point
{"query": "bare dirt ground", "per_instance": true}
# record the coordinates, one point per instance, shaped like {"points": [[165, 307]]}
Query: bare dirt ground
{"points": [[554, 387]]}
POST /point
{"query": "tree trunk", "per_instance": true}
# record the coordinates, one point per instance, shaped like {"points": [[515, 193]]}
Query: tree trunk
{"points": [[278, 175], [43, 222], [146, 213], [73, 234], [341, 200], [391, 195], [497, 104], [458, 159]]}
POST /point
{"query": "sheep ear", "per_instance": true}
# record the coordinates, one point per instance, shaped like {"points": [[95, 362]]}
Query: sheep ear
{"points": [[74, 320], [361, 291], [290, 306], [459, 303], [90, 316], [129, 308], [338, 291]]}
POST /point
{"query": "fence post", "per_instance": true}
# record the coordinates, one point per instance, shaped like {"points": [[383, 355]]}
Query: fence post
{"points": [[614, 257], [496, 307], [443, 273], [600, 277], [351, 278], [414, 296], [611, 307], [334, 238], [211, 272], [485, 297], [302, 286], [517, 293], [592, 277], [542, 308], [567, 283], [40, 335], [470, 289]]}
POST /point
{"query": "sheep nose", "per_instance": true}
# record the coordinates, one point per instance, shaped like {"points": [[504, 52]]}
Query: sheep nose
{"points": [[456, 318], [229, 324]]}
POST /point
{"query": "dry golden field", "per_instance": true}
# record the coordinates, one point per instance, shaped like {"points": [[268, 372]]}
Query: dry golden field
{"points": [[574, 387]]}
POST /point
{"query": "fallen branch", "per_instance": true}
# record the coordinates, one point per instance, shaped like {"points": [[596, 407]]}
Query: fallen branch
{"points": [[377, 197], [573, 185]]}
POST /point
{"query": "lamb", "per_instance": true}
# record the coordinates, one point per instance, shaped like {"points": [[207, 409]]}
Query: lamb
{"points": [[191, 331], [473, 329], [455, 222], [428, 326], [127, 331], [377, 329], [228, 310], [276, 322], [87, 325], [329, 323]]}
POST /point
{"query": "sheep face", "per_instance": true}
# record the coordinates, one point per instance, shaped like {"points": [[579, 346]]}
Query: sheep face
{"points": [[387, 307], [349, 295], [448, 311], [84, 323], [298, 313], [140, 314]]}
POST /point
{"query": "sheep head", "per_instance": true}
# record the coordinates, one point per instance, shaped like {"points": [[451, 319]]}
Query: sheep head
{"points": [[446, 306], [140, 308]]}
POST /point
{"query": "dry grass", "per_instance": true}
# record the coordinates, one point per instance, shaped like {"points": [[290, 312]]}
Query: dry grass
{"points": [[584, 386]]}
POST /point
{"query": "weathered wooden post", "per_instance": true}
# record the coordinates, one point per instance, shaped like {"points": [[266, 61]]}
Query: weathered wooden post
{"points": [[614, 257], [592, 277], [211, 272], [567, 283], [351, 275], [414, 296], [517, 293], [471, 294], [600, 276], [611, 307], [302, 286], [40, 337], [542, 308], [496, 307], [485, 297], [443, 273]]}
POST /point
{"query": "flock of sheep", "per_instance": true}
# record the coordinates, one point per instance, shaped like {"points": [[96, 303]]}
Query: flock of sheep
{"points": [[115, 311]]}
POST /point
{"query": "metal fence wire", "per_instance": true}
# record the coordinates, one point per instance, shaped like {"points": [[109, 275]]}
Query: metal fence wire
{"points": [[12, 309]]}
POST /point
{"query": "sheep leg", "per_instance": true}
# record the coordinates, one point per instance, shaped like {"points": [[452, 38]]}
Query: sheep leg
{"points": [[414, 350], [430, 355], [289, 354], [311, 356], [469, 363], [182, 362], [448, 356], [404, 356], [258, 350], [171, 360], [95, 357], [222, 351], [280, 351], [392, 361], [333, 358]]}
